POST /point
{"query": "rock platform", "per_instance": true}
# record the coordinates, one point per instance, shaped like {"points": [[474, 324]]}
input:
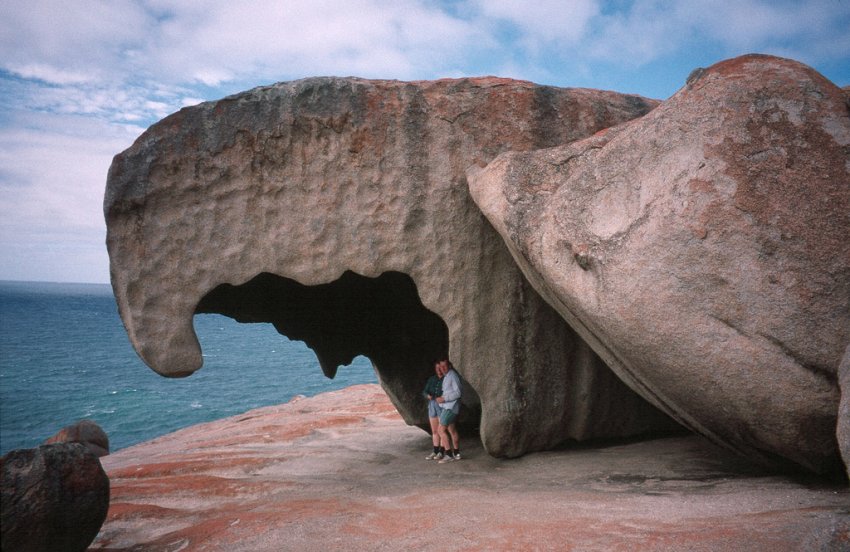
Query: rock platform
{"points": [[342, 471]]}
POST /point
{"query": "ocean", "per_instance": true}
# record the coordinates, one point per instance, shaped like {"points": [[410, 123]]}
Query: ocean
{"points": [[64, 356]]}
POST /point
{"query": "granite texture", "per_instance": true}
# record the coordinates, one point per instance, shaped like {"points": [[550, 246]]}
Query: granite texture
{"points": [[342, 471], [338, 210], [703, 252]]}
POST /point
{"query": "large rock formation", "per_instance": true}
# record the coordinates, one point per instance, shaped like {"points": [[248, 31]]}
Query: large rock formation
{"points": [[338, 210], [54, 498], [704, 252], [86, 432]]}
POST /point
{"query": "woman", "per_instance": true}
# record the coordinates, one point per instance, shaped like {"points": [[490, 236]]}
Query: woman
{"points": [[434, 389]]}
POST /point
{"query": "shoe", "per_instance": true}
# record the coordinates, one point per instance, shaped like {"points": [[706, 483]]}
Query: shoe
{"points": [[457, 456], [446, 460], [432, 456], [439, 456]]}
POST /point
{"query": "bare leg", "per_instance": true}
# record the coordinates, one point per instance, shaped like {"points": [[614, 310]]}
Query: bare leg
{"points": [[435, 431], [452, 431], [444, 438]]}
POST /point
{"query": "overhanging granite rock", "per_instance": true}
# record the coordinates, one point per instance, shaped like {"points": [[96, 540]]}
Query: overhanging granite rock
{"points": [[338, 210]]}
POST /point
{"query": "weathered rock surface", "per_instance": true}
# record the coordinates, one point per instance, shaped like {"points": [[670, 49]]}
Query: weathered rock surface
{"points": [[341, 471], [86, 432], [338, 210], [703, 252], [54, 498], [843, 431]]}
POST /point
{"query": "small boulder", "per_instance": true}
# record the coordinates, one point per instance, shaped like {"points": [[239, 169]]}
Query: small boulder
{"points": [[54, 498], [86, 432]]}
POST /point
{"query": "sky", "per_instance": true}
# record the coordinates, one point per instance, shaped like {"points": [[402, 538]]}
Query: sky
{"points": [[80, 80]]}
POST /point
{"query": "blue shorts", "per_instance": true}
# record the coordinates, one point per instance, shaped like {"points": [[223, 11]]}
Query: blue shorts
{"points": [[434, 409], [447, 417]]}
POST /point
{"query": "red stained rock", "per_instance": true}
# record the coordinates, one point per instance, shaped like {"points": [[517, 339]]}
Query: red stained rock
{"points": [[358, 481], [85, 432]]}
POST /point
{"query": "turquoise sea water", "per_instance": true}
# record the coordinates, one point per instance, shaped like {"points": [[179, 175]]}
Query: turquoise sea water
{"points": [[64, 356]]}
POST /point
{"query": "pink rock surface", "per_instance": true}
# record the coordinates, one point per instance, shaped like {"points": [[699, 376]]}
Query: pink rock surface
{"points": [[341, 471]]}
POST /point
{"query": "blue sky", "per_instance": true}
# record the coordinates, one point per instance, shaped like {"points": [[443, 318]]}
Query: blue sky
{"points": [[80, 80]]}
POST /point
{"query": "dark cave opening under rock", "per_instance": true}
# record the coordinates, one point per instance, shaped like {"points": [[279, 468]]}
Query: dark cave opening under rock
{"points": [[380, 318]]}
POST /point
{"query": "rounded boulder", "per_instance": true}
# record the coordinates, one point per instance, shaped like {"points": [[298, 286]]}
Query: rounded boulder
{"points": [[54, 498]]}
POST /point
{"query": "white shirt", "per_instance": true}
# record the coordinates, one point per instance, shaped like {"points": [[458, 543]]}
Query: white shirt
{"points": [[451, 390]]}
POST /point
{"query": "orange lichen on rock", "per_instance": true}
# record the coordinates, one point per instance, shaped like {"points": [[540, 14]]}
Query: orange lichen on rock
{"points": [[360, 482]]}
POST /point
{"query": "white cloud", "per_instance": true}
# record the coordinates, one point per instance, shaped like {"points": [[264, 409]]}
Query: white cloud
{"points": [[214, 41], [95, 50], [109, 52], [52, 176], [544, 20], [84, 37], [634, 37], [277, 40], [646, 30], [86, 69], [749, 23], [811, 31], [49, 74], [110, 101]]}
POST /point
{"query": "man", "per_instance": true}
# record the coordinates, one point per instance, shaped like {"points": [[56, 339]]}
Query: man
{"points": [[450, 404]]}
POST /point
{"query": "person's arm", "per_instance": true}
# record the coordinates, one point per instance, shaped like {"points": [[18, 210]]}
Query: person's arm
{"points": [[428, 391]]}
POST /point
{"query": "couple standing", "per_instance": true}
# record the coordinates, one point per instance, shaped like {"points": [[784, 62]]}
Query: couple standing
{"points": [[443, 392]]}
